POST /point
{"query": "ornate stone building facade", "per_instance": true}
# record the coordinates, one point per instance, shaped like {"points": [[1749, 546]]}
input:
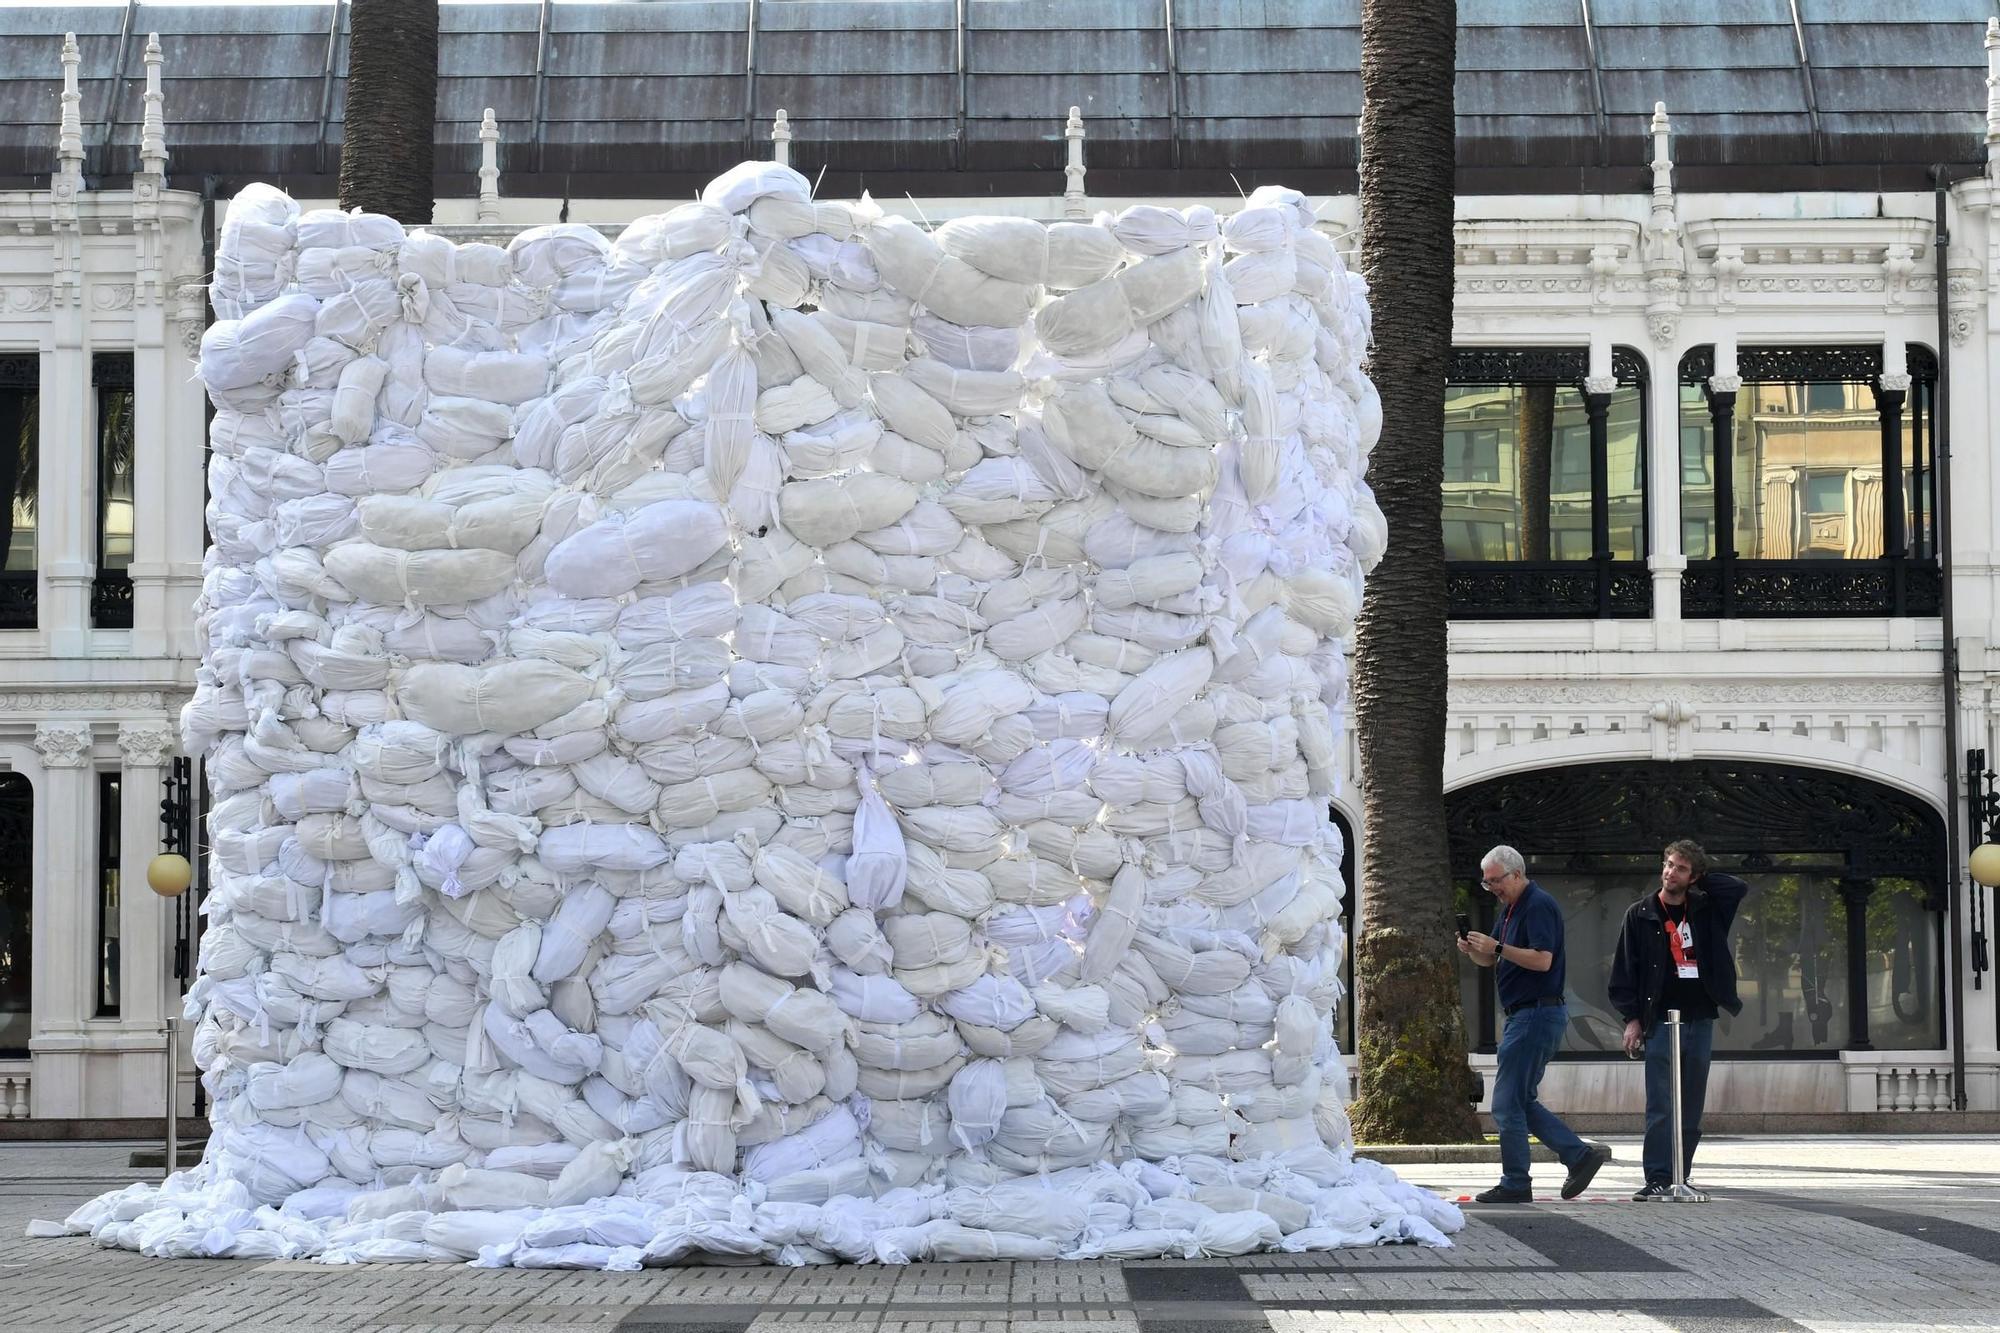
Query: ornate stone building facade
{"points": [[1720, 465]]}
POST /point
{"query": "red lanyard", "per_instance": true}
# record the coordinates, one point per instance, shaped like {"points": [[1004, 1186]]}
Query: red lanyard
{"points": [[1501, 939], [1674, 945]]}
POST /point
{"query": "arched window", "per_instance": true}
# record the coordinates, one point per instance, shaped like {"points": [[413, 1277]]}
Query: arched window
{"points": [[1838, 947], [17, 896]]}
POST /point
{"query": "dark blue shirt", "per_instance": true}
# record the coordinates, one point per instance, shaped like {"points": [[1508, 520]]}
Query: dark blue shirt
{"points": [[1535, 922]]}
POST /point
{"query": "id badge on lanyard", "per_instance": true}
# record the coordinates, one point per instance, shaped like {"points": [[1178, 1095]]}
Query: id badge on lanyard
{"points": [[1680, 943]]}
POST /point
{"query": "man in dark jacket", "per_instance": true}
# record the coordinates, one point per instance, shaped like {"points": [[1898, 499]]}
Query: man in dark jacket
{"points": [[1673, 953]]}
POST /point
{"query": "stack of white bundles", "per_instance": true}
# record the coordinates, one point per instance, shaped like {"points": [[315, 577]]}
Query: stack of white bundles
{"points": [[783, 734]]}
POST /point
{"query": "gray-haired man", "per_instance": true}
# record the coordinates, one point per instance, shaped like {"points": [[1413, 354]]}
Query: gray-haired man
{"points": [[1527, 949]]}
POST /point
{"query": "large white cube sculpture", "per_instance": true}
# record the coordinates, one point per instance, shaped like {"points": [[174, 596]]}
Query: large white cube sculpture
{"points": [[782, 734]]}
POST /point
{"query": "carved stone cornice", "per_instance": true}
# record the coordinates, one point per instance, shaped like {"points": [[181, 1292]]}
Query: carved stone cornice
{"points": [[1548, 242], [94, 698], [1805, 242], [1648, 694], [1808, 283]]}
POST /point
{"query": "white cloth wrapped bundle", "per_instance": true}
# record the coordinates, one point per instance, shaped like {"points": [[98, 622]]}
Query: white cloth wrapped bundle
{"points": [[758, 737]]}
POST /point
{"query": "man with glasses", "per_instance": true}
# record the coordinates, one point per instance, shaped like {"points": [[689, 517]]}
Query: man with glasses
{"points": [[1673, 953], [1526, 951]]}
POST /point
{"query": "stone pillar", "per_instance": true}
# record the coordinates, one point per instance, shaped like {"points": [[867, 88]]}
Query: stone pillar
{"points": [[65, 906], [179, 524], [152, 511], [145, 921], [1668, 558], [66, 516]]}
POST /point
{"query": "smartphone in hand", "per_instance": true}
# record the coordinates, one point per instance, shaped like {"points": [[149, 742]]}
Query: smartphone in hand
{"points": [[1464, 925]]}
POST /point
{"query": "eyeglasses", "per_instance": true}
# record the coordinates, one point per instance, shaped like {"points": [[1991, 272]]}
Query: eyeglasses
{"points": [[1494, 882]]}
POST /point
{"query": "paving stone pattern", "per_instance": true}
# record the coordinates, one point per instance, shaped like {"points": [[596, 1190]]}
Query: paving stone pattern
{"points": [[1816, 1234]]}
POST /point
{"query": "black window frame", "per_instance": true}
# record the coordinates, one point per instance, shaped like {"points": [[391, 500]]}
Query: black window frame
{"points": [[1897, 583], [1600, 588], [108, 985], [17, 899], [20, 400], [1473, 451], [111, 372]]}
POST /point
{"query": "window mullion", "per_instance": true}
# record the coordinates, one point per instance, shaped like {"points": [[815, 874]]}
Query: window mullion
{"points": [[1722, 439], [1889, 407], [1597, 409]]}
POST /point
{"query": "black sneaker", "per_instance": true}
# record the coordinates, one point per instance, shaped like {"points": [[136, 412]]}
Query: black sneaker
{"points": [[1579, 1177], [1653, 1190], [1502, 1194]]}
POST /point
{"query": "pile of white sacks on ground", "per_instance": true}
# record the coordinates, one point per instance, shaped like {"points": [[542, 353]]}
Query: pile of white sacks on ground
{"points": [[784, 734]]}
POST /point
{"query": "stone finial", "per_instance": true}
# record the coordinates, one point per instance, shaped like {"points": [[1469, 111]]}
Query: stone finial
{"points": [[153, 129], [69, 137], [1073, 196], [781, 138], [1663, 157], [1666, 265], [489, 167]]}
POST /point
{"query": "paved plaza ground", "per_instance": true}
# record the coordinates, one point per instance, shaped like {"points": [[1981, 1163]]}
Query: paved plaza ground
{"points": [[1819, 1233]]}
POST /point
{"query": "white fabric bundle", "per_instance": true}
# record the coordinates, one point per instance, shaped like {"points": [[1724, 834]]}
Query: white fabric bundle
{"points": [[777, 737]]}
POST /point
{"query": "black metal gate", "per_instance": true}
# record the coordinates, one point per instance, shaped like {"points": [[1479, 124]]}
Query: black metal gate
{"points": [[1848, 883]]}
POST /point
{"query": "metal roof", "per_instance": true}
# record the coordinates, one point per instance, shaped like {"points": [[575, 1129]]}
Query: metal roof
{"points": [[651, 97]]}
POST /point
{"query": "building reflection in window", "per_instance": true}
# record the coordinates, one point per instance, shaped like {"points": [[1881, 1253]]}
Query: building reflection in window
{"points": [[115, 450], [20, 450], [1808, 472], [1517, 473]]}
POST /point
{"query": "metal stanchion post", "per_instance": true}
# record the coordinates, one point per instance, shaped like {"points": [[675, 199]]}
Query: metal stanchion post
{"points": [[1681, 1192], [172, 1027]]}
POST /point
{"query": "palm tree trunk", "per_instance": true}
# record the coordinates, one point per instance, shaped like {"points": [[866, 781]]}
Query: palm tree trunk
{"points": [[1411, 1034], [392, 83], [1535, 431]]}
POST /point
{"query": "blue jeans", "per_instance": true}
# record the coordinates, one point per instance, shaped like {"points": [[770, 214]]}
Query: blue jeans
{"points": [[1532, 1036], [1697, 1041]]}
